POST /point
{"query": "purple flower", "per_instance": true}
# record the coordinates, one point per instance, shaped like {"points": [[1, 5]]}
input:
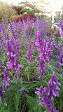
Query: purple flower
{"points": [[59, 61], [29, 55], [13, 54], [1, 91], [53, 86], [44, 48], [46, 94], [44, 99], [6, 78], [13, 47], [2, 28], [37, 39], [22, 90], [39, 90], [13, 29], [41, 67], [61, 28]]}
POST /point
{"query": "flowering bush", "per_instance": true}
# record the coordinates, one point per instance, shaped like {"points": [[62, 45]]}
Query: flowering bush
{"points": [[30, 80]]}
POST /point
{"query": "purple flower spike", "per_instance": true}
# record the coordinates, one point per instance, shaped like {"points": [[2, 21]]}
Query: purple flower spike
{"points": [[61, 28], [1, 91], [46, 94], [29, 55], [39, 90], [13, 54], [44, 48], [6, 78], [59, 61], [53, 86]]}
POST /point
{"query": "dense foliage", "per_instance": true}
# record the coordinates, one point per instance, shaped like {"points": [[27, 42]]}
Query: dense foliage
{"points": [[31, 67]]}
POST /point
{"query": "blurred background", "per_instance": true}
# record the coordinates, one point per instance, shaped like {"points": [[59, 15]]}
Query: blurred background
{"points": [[51, 11]]}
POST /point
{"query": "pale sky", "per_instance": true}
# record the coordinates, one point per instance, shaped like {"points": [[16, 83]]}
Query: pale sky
{"points": [[54, 4], [15, 2]]}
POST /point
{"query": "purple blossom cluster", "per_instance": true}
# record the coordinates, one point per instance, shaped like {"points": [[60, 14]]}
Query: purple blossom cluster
{"points": [[29, 55], [6, 78], [61, 28], [13, 54], [1, 91], [1, 29], [59, 61], [44, 48], [2, 45], [13, 29], [46, 94]]}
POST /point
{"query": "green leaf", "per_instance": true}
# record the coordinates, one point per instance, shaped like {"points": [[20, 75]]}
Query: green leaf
{"points": [[61, 103], [33, 104], [5, 111], [17, 97]]}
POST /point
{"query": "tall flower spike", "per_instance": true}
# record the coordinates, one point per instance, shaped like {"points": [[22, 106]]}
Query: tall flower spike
{"points": [[59, 61], [29, 53], [37, 39], [1, 91], [13, 54], [44, 48], [44, 99], [61, 28], [53, 86], [13, 29], [6, 78], [46, 94]]}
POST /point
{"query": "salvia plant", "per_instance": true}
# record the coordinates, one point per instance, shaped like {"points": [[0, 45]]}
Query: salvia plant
{"points": [[31, 67]]}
